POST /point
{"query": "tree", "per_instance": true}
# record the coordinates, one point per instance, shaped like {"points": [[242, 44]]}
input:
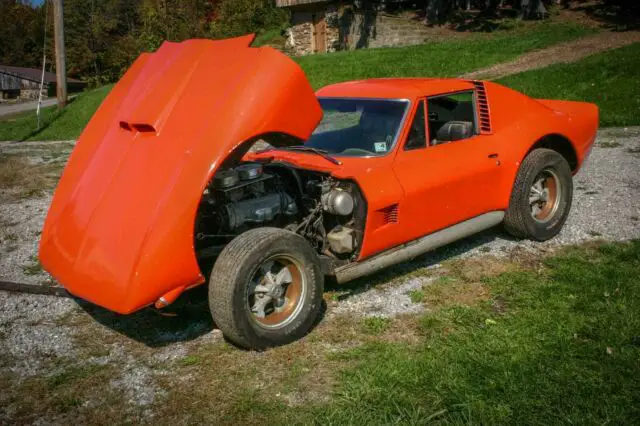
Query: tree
{"points": [[21, 34], [238, 17]]}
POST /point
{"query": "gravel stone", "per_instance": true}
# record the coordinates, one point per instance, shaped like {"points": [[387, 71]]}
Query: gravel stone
{"points": [[30, 345], [138, 385], [21, 223], [383, 302], [32, 309]]}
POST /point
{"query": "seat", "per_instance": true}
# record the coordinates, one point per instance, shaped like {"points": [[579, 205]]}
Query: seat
{"points": [[454, 131]]}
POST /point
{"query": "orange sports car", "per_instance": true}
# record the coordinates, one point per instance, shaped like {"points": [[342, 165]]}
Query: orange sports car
{"points": [[213, 160]]}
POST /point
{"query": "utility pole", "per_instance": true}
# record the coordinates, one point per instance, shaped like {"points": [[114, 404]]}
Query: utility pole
{"points": [[61, 68]]}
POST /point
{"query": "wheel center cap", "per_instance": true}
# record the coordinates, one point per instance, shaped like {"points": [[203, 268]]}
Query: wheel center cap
{"points": [[545, 195], [277, 292]]}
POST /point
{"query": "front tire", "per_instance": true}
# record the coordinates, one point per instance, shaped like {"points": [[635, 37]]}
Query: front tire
{"points": [[266, 288], [541, 196]]}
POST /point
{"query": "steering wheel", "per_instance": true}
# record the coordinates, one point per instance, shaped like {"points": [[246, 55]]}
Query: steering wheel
{"points": [[355, 151]]}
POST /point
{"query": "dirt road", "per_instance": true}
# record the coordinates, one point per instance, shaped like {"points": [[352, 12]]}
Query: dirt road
{"points": [[571, 51]]}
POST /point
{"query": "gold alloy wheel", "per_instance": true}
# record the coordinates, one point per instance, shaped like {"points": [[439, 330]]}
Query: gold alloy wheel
{"points": [[544, 196], [276, 292]]}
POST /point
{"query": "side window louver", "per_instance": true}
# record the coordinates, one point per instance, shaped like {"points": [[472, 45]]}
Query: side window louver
{"points": [[484, 117]]}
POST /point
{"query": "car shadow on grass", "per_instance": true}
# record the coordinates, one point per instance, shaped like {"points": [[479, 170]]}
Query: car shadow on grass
{"points": [[189, 317], [428, 260]]}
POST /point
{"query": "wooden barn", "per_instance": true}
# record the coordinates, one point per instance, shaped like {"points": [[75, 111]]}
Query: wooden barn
{"points": [[24, 83], [313, 27]]}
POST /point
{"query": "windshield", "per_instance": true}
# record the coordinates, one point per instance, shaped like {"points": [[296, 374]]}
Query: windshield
{"points": [[358, 127]]}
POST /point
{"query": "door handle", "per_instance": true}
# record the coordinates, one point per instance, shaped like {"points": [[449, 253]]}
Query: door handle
{"points": [[494, 155]]}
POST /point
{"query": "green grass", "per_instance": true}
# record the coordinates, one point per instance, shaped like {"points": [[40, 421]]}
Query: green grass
{"points": [[375, 325], [54, 125], [444, 59], [448, 58], [270, 37], [610, 79], [564, 348]]}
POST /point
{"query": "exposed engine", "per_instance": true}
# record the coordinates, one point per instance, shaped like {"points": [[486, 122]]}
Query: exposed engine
{"points": [[247, 196], [327, 212]]}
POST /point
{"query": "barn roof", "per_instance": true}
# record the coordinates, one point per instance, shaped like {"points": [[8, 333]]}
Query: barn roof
{"points": [[33, 74]]}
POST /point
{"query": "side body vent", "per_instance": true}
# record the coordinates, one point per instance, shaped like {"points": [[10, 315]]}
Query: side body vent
{"points": [[484, 116], [390, 214]]}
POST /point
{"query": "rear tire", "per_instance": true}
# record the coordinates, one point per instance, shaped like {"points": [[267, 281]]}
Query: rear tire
{"points": [[541, 196], [266, 288]]}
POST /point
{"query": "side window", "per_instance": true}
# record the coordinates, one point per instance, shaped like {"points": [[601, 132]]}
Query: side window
{"points": [[417, 134], [451, 117]]}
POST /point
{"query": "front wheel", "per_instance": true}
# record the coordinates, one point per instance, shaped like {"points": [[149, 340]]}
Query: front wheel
{"points": [[541, 196], [266, 288]]}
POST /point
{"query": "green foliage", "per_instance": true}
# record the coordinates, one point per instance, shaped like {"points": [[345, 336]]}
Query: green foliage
{"points": [[238, 17], [21, 33], [173, 20], [97, 42], [103, 38], [610, 80]]}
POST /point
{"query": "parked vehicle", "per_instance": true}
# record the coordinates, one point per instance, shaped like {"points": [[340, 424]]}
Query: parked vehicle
{"points": [[211, 160]]}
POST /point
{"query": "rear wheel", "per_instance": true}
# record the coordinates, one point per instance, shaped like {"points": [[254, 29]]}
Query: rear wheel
{"points": [[265, 288], [541, 196]]}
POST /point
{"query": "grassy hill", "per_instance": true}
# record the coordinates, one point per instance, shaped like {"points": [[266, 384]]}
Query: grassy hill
{"points": [[610, 79], [446, 58]]}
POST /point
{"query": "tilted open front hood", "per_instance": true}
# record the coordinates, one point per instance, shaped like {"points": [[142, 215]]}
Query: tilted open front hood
{"points": [[120, 228]]}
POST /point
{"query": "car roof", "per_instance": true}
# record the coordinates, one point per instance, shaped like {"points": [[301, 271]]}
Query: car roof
{"points": [[395, 88]]}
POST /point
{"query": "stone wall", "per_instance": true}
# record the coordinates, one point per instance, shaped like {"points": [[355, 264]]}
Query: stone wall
{"points": [[367, 29], [300, 34], [32, 94], [332, 17], [348, 29]]}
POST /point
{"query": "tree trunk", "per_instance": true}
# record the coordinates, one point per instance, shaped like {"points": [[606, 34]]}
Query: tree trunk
{"points": [[61, 67], [532, 9]]}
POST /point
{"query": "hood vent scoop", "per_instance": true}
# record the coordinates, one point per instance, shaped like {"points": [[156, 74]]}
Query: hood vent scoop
{"points": [[137, 127]]}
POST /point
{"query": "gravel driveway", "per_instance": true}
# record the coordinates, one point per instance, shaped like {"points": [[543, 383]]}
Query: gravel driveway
{"points": [[36, 328]]}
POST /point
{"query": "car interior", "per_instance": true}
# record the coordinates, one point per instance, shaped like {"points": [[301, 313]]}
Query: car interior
{"points": [[451, 117], [369, 129]]}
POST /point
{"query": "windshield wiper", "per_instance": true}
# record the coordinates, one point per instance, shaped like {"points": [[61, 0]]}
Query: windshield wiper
{"points": [[324, 154]]}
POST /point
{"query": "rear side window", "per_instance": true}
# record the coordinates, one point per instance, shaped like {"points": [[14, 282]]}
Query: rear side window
{"points": [[451, 117], [417, 137]]}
